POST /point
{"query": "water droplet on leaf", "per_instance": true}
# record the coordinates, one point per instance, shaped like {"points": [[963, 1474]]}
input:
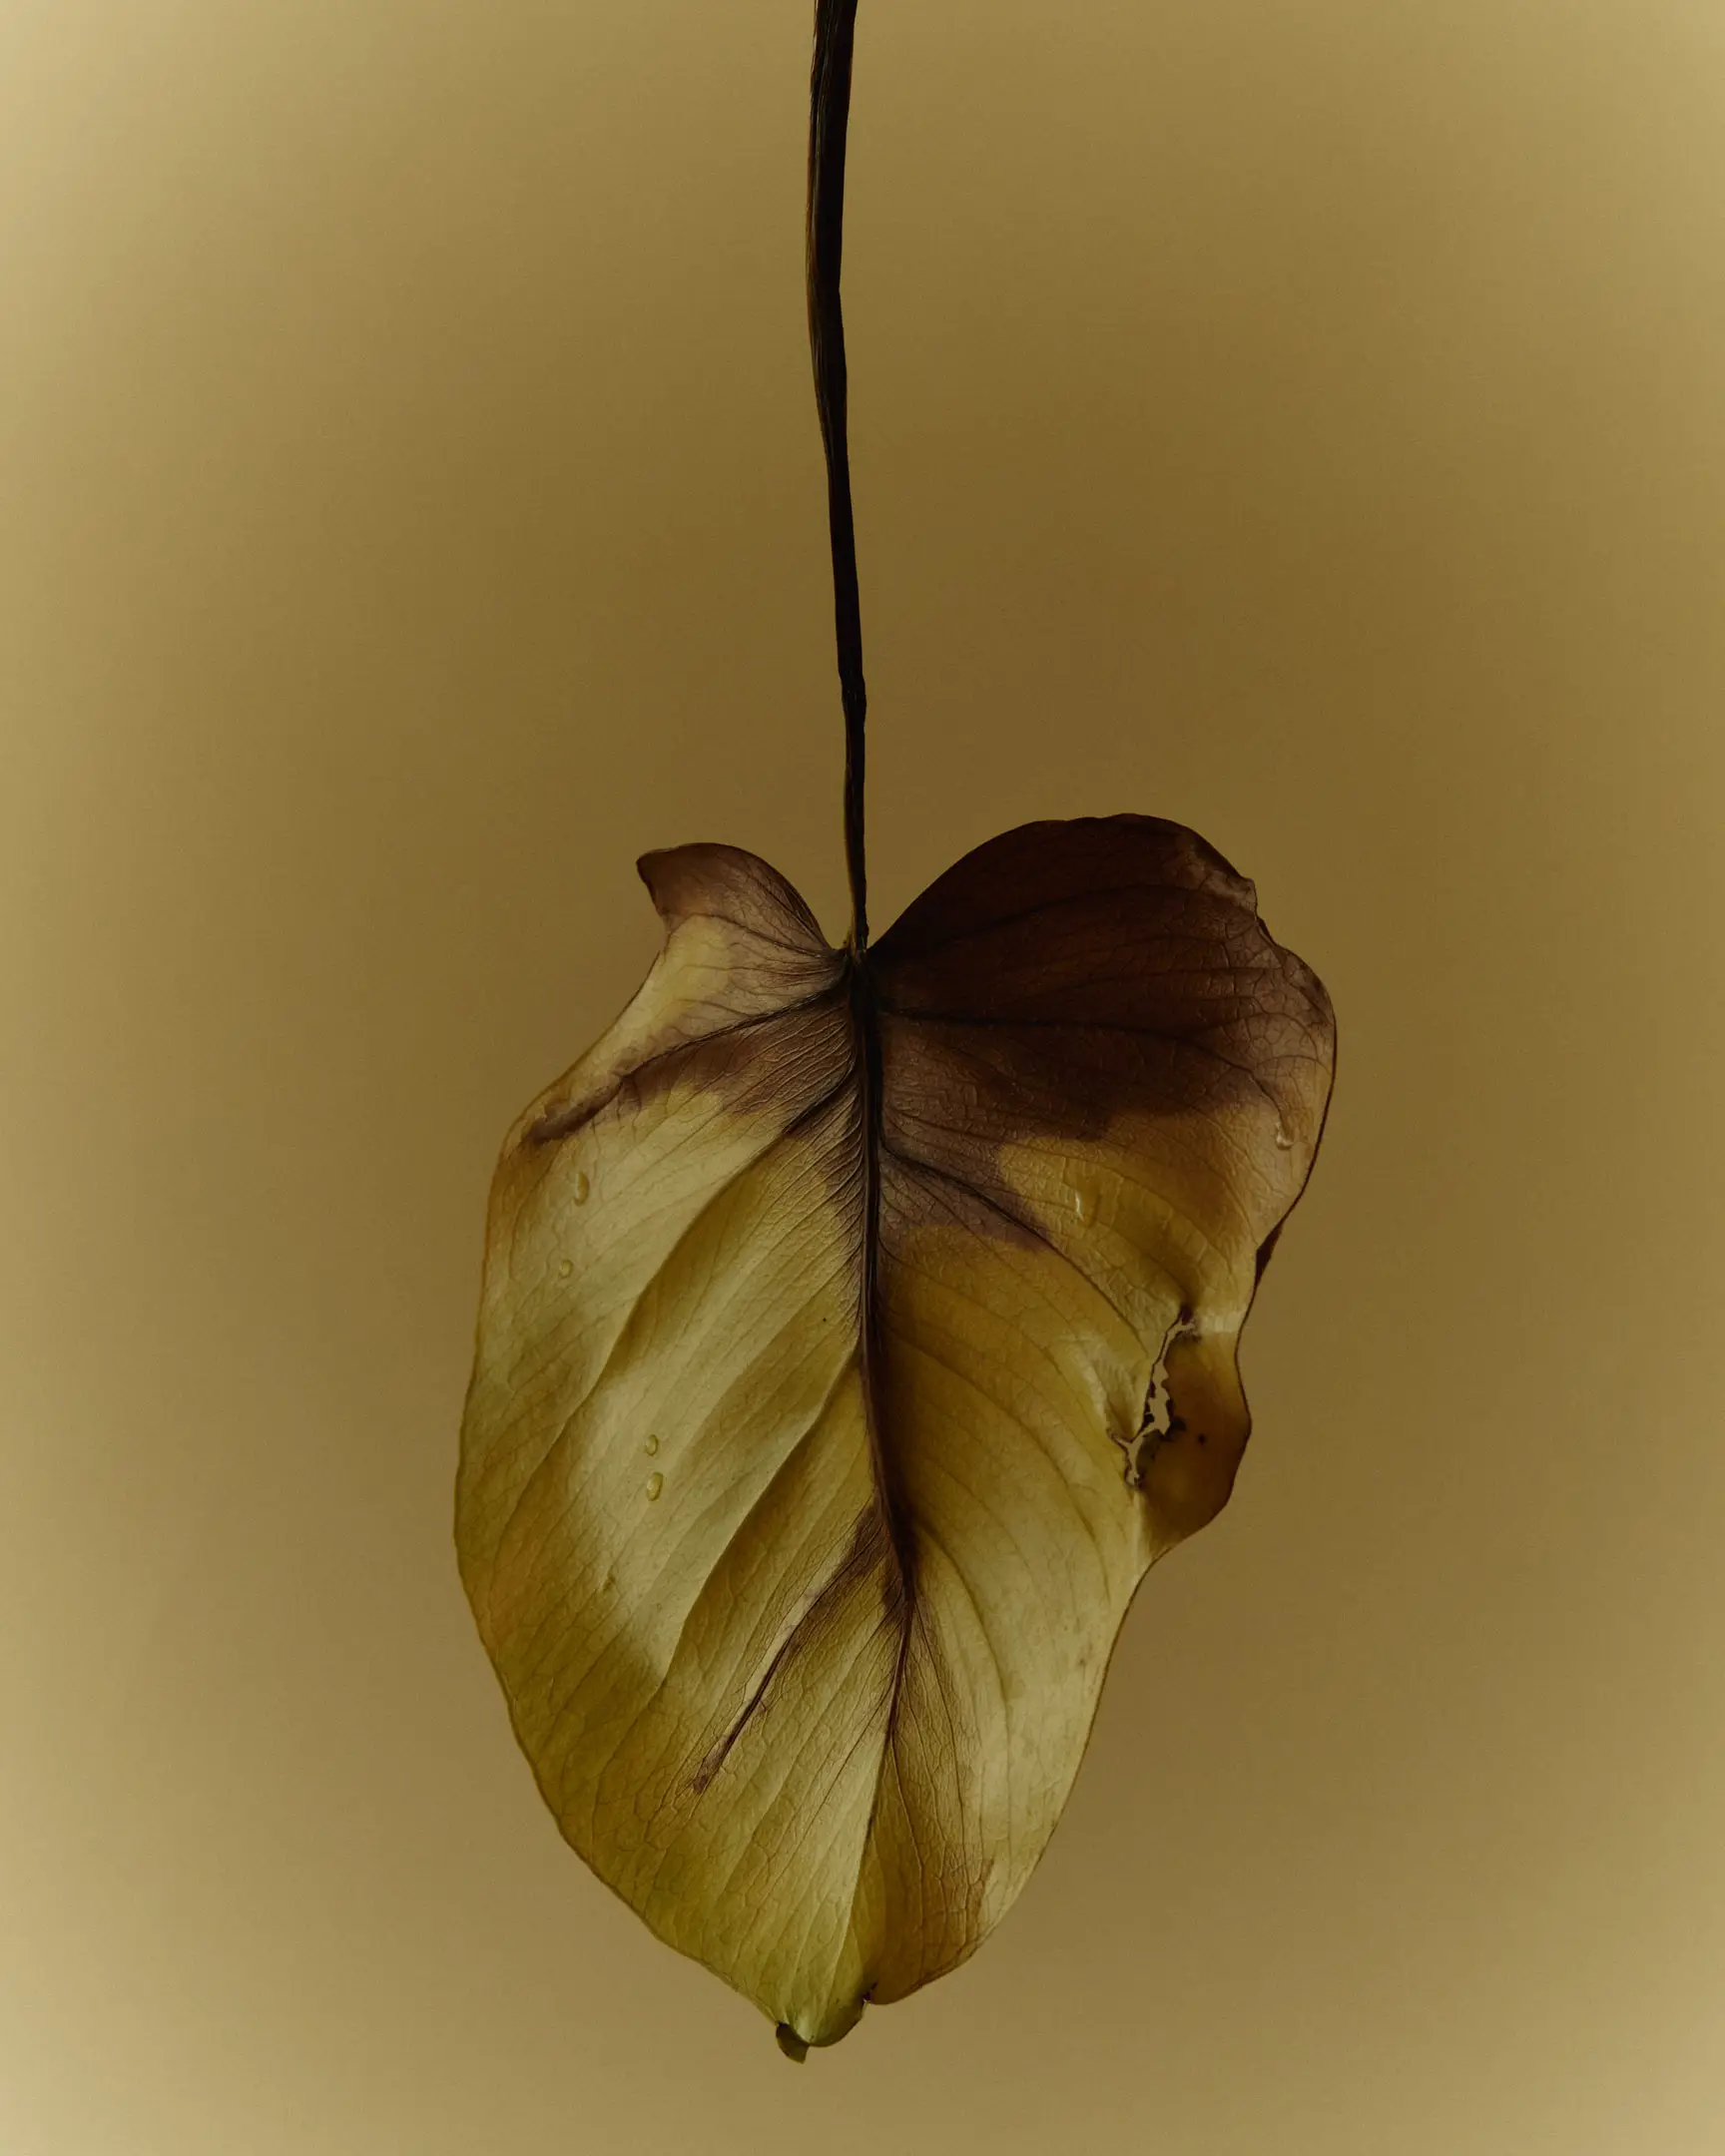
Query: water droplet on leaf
{"points": [[654, 1484]]}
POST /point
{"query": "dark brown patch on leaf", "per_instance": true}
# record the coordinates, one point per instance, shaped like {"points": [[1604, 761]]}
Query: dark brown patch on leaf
{"points": [[1065, 973], [723, 883]]}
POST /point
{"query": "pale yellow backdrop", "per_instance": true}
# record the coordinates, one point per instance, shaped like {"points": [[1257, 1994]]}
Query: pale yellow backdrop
{"points": [[1308, 421]]}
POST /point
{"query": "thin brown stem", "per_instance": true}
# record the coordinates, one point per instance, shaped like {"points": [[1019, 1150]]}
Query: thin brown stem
{"points": [[829, 116]]}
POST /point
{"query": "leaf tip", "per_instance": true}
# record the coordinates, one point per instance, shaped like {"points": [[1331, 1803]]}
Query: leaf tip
{"points": [[791, 2043]]}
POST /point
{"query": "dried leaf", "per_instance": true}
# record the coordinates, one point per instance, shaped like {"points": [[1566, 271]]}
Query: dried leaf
{"points": [[855, 1335]]}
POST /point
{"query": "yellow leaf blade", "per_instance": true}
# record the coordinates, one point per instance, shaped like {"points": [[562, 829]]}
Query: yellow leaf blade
{"points": [[853, 1335]]}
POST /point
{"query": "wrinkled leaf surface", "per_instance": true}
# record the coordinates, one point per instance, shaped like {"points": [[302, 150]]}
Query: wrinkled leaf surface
{"points": [[854, 1336]]}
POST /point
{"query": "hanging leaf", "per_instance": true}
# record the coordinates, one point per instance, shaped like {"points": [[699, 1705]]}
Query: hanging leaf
{"points": [[856, 1333], [859, 1327]]}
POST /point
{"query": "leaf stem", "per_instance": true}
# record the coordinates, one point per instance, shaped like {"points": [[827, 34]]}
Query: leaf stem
{"points": [[828, 116]]}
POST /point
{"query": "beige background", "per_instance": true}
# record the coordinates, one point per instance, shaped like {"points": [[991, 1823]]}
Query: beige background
{"points": [[1308, 421]]}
